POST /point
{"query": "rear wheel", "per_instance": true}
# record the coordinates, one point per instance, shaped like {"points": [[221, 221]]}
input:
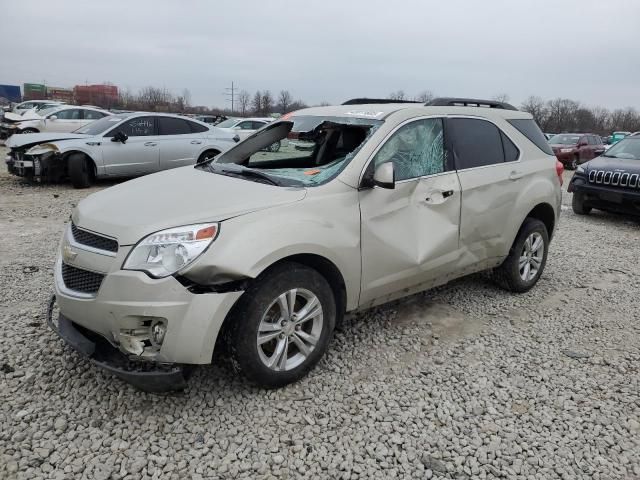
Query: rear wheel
{"points": [[578, 205], [575, 162], [79, 168], [527, 258], [282, 325]]}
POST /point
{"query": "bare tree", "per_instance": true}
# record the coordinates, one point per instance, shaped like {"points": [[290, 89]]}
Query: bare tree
{"points": [[186, 96], [425, 96], [501, 97], [284, 101], [267, 102], [537, 108], [256, 103], [244, 99], [399, 95]]}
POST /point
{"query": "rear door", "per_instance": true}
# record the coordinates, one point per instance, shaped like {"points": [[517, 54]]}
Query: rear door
{"points": [[491, 177], [140, 154], [66, 121], [409, 234], [179, 144], [246, 128]]}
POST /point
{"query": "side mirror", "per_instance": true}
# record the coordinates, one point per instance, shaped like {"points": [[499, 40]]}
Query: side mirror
{"points": [[119, 136], [236, 138], [385, 176], [53, 118]]}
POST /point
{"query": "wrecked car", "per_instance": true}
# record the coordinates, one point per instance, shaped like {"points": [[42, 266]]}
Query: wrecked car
{"points": [[261, 253], [123, 145], [57, 118]]}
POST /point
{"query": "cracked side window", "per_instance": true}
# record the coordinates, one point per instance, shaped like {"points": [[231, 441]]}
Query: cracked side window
{"points": [[416, 149]]}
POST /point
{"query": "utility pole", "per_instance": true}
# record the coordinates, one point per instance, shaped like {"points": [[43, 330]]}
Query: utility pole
{"points": [[230, 93]]}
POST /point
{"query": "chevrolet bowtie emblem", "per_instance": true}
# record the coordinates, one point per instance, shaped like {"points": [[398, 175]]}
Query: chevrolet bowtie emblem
{"points": [[68, 255]]}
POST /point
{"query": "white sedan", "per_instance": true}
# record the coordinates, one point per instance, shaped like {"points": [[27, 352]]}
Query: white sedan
{"points": [[245, 127], [122, 145], [54, 119]]}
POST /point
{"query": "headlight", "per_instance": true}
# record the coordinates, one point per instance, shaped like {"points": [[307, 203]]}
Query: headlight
{"points": [[164, 253], [580, 169], [42, 149], [566, 150]]}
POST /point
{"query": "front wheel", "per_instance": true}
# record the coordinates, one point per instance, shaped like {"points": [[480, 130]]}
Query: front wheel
{"points": [[578, 205], [79, 170], [208, 155], [29, 130], [282, 326], [527, 258]]}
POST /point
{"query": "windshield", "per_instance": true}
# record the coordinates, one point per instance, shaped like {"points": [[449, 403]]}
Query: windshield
{"points": [[100, 126], [564, 139], [228, 123], [305, 150], [628, 148]]}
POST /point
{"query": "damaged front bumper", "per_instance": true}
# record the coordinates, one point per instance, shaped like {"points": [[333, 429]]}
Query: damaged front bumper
{"points": [[147, 376], [44, 167]]}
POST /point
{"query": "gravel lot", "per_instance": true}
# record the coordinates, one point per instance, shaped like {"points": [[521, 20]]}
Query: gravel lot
{"points": [[465, 381]]}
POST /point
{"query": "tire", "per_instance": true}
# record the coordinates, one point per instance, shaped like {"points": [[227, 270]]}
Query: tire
{"points": [[208, 155], [259, 312], [274, 147], [29, 130], [510, 274], [578, 205], [574, 162], [79, 169]]}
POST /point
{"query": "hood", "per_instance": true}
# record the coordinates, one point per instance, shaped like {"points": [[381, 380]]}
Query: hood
{"points": [[29, 139], [14, 117], [181, 196], [613, 164]]}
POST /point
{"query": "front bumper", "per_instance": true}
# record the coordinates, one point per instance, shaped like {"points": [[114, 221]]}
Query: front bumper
{"points": [[129, 301], [606, 197], [565, 158], [149, 377]]}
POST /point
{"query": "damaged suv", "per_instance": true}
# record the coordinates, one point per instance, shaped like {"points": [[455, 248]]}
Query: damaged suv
{"points": [[261, 253]]}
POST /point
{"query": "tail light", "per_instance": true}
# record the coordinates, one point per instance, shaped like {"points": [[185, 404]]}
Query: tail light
{"points": [[559, 170]]}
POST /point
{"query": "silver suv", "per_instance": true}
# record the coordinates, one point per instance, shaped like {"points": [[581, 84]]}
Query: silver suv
{"points": [[262, 252]]}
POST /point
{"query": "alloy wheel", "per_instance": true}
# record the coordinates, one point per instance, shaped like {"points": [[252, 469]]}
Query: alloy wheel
{"points": [[531, 257], [290, 329]]}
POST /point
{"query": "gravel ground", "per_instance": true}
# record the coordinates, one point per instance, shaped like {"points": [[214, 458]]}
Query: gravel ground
{"points": [[465, 381]]}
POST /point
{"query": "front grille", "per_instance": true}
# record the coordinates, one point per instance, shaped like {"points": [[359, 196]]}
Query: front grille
{"points": [[81, 280], [615, 179], [93, 240]]}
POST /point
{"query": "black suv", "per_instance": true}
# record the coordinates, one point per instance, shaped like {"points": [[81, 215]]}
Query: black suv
{"points": [[609, 182]]}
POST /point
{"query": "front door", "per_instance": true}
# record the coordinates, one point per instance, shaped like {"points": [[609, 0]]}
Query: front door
{"points": [[65, 121], [409, 234], [139, 155]]}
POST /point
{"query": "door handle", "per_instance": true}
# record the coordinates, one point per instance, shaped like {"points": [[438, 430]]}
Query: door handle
{"points": [[150, 144], [196, 142], [516, 175], [436, 197]]}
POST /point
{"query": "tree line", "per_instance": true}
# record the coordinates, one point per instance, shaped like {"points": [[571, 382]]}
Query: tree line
{"points": [[557, 115], [261, 103]]}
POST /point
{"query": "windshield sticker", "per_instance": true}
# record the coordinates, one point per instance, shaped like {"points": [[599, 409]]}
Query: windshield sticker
{"points": [[365, 113]]}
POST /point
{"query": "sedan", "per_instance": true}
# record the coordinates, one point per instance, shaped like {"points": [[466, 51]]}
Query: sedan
{"points": [[53, 119], [123, 145]]}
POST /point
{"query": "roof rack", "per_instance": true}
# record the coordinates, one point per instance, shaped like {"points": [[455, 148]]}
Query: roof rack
{"points": [[364, 101], [468, 102]]}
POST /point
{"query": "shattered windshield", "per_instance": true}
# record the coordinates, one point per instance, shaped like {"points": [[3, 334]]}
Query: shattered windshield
{"points": [[304, 150]]}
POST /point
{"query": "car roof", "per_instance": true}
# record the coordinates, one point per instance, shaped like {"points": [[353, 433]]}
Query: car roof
{"points": [[381, 111]]}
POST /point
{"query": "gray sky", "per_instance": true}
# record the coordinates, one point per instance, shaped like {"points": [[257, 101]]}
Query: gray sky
{"points": [[332, 50]]}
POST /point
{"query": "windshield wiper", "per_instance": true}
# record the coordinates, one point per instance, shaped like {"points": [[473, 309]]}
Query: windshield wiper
{"points": [[239, 171]]}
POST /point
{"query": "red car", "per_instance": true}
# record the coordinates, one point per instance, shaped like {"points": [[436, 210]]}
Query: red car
{"points": [[572, 149]]}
